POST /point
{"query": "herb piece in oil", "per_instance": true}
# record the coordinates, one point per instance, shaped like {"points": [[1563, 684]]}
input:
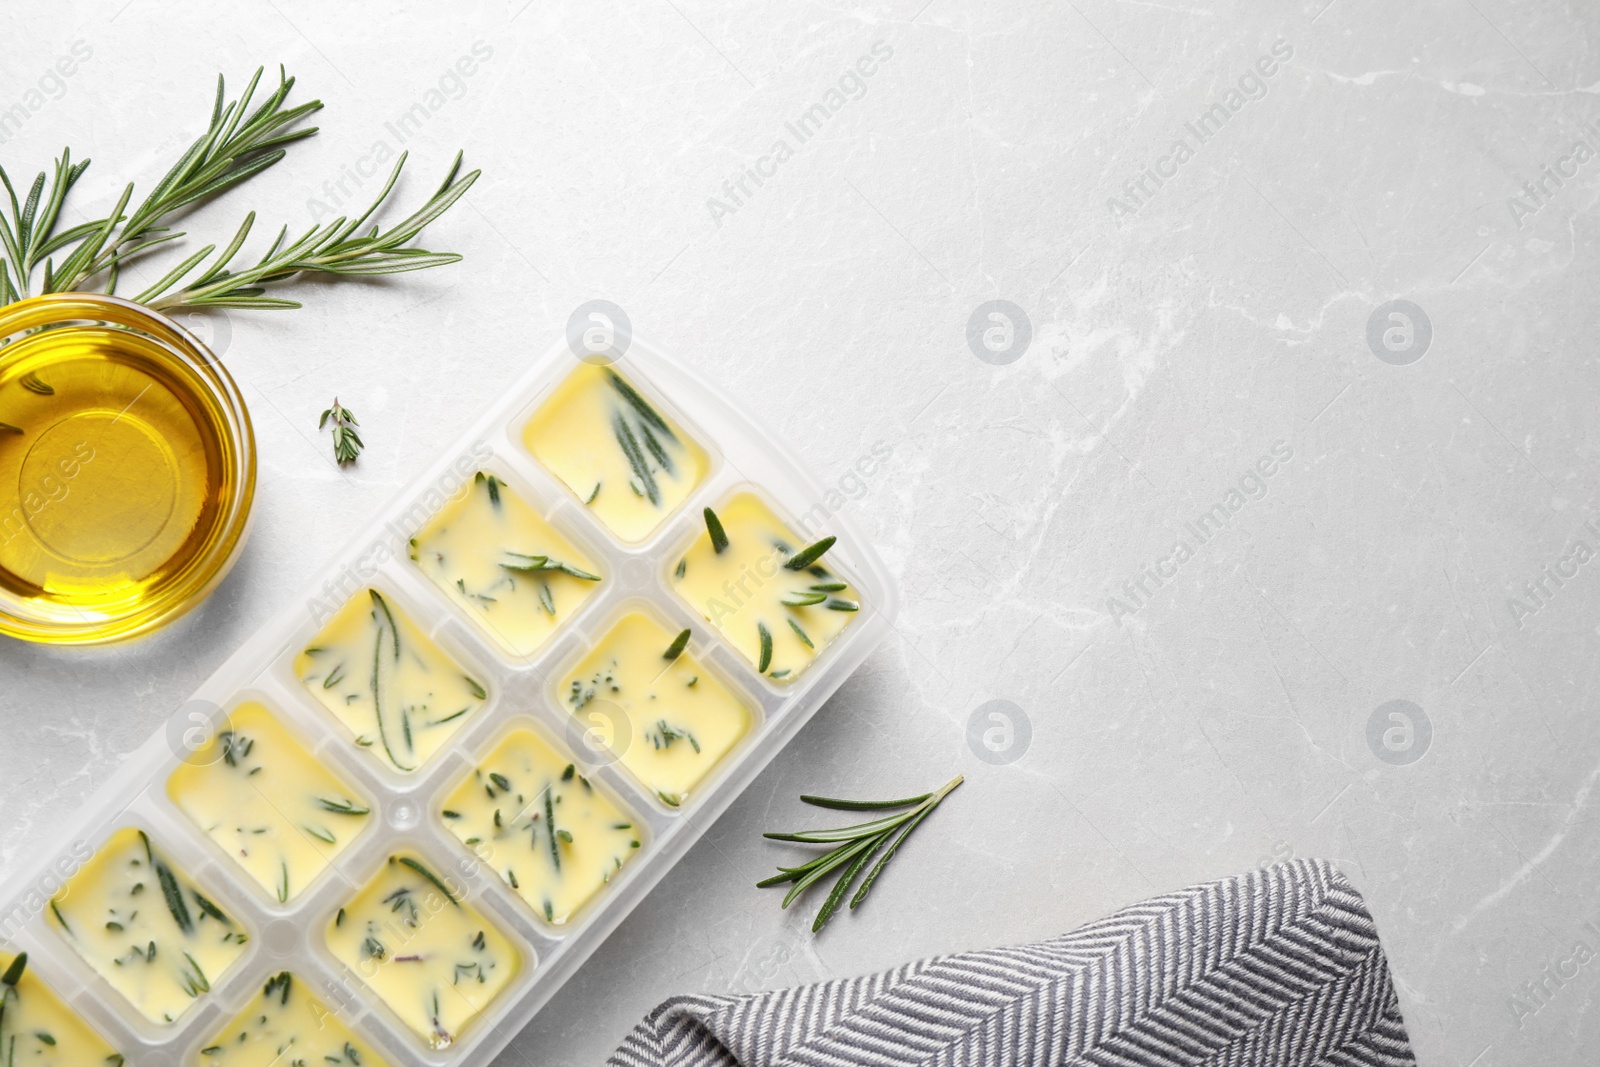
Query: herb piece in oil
{"points": [[417, 866], [492, 484], [522, 563], [810, 554], [384, 618], [801, 634], [714, 530], [766, 647], [649, 414], [644, 480], [663, 734]]}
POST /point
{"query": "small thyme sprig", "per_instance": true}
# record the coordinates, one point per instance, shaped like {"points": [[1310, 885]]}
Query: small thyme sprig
{"points": [[854, 846], [347, 444]]}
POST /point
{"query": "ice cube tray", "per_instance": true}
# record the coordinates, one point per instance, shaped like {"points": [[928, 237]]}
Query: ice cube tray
{"points": [[288, 931]]}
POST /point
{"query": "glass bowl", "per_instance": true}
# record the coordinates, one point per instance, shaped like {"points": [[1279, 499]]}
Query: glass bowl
{"points": [[127, 469]]}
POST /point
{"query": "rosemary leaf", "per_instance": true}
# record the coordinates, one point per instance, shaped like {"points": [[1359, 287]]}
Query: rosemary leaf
{"points": [[861, 805], [430, 876], [810, 554], [719, 536], [173, 895], [766, 647], [641, 467], [649, 414], [801, 634], [342, 807], [550, 826], [843, 833], [842, 886], [13, 973]]}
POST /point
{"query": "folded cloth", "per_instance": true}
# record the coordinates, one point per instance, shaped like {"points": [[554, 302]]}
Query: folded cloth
{"points": [[1278, 968]]}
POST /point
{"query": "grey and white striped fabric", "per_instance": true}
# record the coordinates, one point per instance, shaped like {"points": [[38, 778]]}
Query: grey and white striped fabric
{"points": [[1279, 968]]}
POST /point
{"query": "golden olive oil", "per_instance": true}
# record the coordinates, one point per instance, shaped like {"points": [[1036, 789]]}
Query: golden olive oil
{"points": [[119, 480]]}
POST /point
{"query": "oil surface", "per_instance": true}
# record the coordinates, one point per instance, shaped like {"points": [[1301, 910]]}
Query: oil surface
{"points": [[271, 806], [668, 719], [422, 950], [38, 1030], [628, 463], [112, 472]]}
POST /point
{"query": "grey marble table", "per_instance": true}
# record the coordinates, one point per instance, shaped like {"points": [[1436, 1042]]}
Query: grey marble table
{"points": [[1289, 415]]}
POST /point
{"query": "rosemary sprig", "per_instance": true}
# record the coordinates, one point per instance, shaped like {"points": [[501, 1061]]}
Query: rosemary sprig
{"points": [[29, 234], [237, 145], [347, 443], [854, 847], [233, 149], [173, 896], [333, 248]]}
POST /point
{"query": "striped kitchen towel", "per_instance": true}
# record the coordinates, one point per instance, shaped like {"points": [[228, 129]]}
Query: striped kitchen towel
{"points": [[1279, 968]]}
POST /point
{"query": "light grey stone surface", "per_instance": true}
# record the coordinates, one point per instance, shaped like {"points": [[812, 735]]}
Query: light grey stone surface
{"points": [[1218, 723]]}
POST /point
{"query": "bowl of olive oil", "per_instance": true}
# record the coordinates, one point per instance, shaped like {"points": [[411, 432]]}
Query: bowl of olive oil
{"points": [[127, 469]]}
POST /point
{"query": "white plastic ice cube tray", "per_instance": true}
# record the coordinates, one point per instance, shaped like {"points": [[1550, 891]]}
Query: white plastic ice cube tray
{"points": [[521, 691]]}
